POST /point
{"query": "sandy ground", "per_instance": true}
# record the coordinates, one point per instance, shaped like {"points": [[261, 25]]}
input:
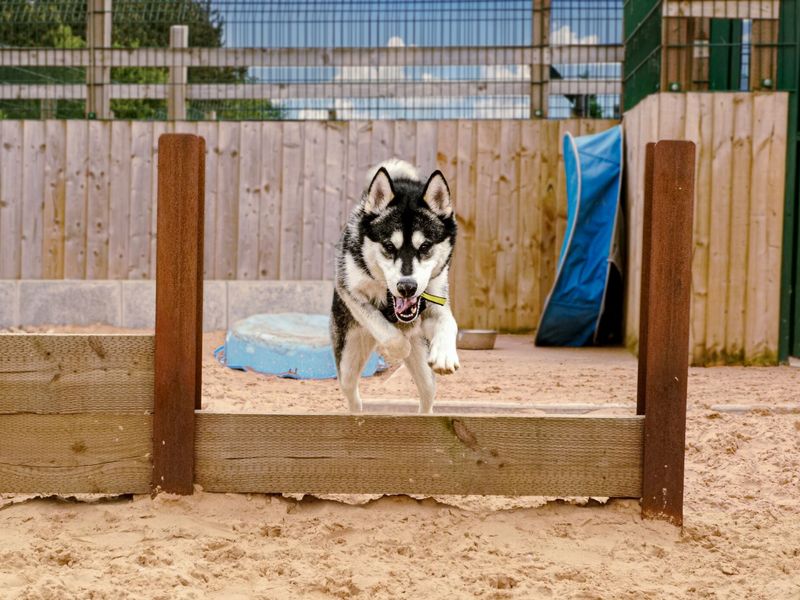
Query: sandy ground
{"points": [[741, 538]]}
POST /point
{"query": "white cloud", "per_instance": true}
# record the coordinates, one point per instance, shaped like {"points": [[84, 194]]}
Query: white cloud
{"points": [[506, 72], [374, 73], [565, 36]]}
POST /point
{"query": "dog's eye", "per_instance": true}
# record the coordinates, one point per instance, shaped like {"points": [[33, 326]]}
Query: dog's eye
{"points": [[388, 250], [425, 248]]}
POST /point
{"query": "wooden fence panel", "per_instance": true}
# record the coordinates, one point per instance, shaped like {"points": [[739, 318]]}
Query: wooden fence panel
{"points": [[277, 195], [740, 170]]}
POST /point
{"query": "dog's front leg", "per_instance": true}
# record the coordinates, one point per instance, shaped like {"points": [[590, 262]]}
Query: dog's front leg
{"points": [[417, 365], [441, 329], [392, 344]]}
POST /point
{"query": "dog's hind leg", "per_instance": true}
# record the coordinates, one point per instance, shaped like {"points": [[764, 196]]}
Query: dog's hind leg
{"points": [[425, 380], [358, 345]]}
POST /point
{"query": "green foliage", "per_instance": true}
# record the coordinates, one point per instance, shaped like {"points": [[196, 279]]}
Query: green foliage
{"points": [[135, 24]]}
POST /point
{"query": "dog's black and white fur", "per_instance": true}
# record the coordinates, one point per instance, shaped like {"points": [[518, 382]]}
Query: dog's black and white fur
{"points": [[397, 244]]}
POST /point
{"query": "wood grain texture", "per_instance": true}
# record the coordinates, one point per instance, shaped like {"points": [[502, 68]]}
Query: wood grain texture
{"points": [[11, 198], [740, 168], [668, 289], [81, 453], [47, 373], [269, 240], [558, 456], [53, 204], [34, 146], [249, 197], [179, 305], [97, 202]]}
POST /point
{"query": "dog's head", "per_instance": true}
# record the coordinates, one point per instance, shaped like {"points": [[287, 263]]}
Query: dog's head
{"points": [[409, 233]]}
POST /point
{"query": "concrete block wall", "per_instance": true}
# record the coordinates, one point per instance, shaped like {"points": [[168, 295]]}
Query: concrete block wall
{"points": [[131, 304]]}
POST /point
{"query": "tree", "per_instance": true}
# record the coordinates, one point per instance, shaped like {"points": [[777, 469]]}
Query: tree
{"points": [[135, 24]]}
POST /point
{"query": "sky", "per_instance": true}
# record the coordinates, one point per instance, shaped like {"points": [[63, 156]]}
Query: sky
{"points": [[403, 23]]}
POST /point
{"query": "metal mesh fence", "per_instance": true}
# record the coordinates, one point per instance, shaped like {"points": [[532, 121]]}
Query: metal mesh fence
{"points": [[711, 45], [310, 59]]}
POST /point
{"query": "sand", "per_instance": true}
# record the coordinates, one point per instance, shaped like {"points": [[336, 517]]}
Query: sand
{"points": [[742, 517]]}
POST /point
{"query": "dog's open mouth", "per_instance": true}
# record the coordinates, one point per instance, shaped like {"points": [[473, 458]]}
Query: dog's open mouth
{"points": [[406, 309]]}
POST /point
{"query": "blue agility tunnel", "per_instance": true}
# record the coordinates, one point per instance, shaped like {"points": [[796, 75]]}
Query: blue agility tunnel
{"points": [[585, 305]]}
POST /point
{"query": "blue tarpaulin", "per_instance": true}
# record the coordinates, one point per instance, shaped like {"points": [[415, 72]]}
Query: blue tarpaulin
{"points": [[590, 254]]}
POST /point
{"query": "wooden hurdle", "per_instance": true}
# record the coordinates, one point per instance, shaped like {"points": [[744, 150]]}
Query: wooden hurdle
{"points": [[121, 413]]}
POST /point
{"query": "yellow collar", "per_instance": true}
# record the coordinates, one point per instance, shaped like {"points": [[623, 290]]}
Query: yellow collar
{"points": [[435, 299]]}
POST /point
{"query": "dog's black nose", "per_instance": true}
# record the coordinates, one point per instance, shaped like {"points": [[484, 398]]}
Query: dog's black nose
{"points": [[407, 287]]}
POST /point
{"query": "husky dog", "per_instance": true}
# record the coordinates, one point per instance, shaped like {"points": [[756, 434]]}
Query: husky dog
{"points": [[391, 281]]}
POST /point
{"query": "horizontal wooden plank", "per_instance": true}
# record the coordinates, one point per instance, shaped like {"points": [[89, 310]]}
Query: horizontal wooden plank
{"points": [[75, 373], [539, 456], [70, 454], [722, 9], [311, 57], [349, 89]]}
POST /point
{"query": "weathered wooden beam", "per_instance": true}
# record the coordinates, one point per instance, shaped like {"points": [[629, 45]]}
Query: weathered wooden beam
{"points": [[179, 304], [419, 454], [278, 91], [79, 453], [665, 316], [312, 57], [74, 373]]}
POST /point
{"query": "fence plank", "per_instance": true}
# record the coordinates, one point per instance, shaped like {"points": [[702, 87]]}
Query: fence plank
{"points": [[548, 456], [10, 198], [529, 227], [227, 201], [33, 176], [313, 185], [209, 131], [508, 209], [249, 195], [719, 238], [75, 205], [334, 202], [465, 205], [426, 144], [159, 128], [269, 241], [548, 190], [45, 373], [119, 205], [54, 197], [97, 205], [79, 453], [292, 202], [774, 197], [741, 158], [141, 203]]}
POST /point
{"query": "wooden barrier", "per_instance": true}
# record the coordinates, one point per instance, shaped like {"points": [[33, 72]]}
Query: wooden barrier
{"points": [[738, 217], [275, 208], [105, 446]]}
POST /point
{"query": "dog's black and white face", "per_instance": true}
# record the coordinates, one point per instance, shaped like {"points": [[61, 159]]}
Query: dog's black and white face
{"points": [[409, 232]]}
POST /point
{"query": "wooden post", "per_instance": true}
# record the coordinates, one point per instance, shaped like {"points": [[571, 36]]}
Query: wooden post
{"points": [[98, 76], [664, 338], [179, 306], [540, 72], [176, 97]]}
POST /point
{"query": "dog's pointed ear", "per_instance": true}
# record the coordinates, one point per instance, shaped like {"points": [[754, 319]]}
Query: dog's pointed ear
{"points": [[437, 195], [380, 192]]}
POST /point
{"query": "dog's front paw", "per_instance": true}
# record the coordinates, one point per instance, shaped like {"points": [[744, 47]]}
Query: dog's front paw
{"points": [[395, 349], [443, 357]]}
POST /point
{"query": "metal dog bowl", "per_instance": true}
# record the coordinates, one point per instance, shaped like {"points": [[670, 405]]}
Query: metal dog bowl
{"points": [[476, 339]]}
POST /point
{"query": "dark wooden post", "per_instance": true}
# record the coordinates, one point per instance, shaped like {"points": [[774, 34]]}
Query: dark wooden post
{"points": [[664, 335], [179, 309]]}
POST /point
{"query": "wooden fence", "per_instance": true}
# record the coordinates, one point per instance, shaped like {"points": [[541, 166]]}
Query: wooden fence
{"points": [[77, 200], [738, 224]]}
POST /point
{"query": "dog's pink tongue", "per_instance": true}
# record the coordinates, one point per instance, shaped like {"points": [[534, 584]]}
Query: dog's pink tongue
{"points": [[402, 304]]}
